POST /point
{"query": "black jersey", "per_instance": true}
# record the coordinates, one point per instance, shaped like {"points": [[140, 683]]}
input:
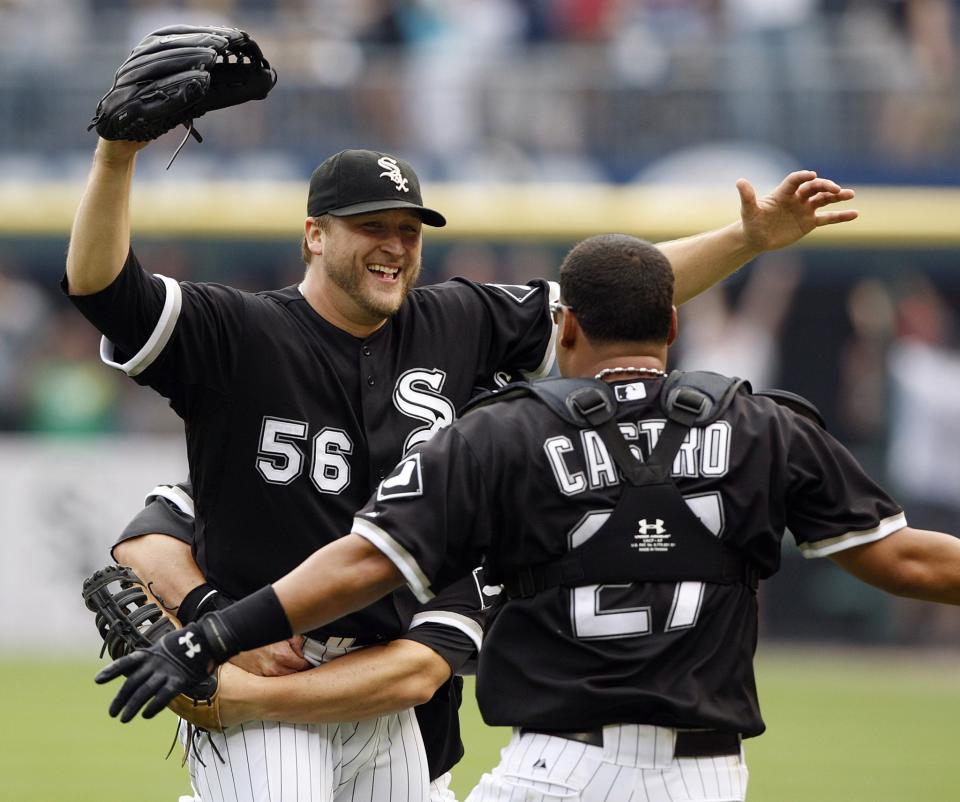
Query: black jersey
{"points": [[451, 624], [515, 480], [291, 422]]}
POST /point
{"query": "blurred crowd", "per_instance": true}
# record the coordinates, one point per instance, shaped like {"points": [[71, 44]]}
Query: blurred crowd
{"points": [[547, 90], [523, 88]]}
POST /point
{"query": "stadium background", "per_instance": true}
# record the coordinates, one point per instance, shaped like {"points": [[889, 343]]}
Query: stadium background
{"points": [[532, 123]]}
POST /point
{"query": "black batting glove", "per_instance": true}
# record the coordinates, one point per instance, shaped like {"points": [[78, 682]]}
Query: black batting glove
{"points": [[177, 662]]}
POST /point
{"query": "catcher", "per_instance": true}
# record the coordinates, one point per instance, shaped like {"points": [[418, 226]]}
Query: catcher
{"points": [[177, 74]]}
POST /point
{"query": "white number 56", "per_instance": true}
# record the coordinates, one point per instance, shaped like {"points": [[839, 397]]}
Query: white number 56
{"points": [[280, 460]]}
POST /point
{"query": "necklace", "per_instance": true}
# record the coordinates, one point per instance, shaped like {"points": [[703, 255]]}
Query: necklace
{"points": [[615, 371]]}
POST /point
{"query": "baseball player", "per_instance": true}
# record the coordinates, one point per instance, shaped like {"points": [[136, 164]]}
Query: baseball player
{"points": [[629, 515], [297, 402], [418, 670]]}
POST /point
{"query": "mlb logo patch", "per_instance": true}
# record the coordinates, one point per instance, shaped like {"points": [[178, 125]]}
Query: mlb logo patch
{"points": [[406, 480], [631, 392]]}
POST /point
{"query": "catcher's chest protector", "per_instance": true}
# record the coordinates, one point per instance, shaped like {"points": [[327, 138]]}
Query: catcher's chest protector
{"points": [[652, 534]]}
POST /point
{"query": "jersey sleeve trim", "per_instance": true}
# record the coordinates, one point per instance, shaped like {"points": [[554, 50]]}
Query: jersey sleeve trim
{"points": [[398, 555], [175, 495], [824, 548], [467, 626], [550, 355], [158, 339]]}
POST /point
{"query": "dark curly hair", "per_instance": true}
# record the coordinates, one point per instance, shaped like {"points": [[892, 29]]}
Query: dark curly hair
{"points": [[620, 288]]}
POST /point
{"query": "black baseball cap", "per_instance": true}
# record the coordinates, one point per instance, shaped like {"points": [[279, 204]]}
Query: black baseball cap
{"points": [[360, 181]]}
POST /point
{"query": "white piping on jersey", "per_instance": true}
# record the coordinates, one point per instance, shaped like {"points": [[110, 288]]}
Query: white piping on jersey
{"points": [[158, 338], [397, 554], [467, 626], [823, 548], [175, 495], [550, 355]]}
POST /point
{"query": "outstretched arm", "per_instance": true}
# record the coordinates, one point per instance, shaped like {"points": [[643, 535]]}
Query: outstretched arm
{"points": [[100, 237], [767, 223], [915, 563], [342, 577]]}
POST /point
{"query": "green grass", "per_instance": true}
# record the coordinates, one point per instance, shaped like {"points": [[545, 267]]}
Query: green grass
{"points": [[868, 726]]}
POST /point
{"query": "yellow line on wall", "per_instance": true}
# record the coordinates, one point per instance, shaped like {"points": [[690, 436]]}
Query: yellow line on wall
{"points": [[889, 215]]}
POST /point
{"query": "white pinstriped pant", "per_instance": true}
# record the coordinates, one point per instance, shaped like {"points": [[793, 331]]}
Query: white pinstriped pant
{"points": [[635, 764], [378, 760], [439, 791]]}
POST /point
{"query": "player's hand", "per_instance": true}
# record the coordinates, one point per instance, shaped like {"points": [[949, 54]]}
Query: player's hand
{"points": [[175, 663], [275, 660], [791, 211]]}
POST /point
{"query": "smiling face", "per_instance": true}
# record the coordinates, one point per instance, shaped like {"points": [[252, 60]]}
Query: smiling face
{"points": [[369, 261]]}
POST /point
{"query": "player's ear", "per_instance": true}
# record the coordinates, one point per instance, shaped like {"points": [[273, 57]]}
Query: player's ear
{"points": [[568, 329], [674, 327], [313, 236]]}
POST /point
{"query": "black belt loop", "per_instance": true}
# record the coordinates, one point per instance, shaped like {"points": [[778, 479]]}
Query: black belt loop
{"points": [[706, 743], [522, 585]]}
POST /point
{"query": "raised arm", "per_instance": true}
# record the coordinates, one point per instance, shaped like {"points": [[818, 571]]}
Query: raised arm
{"points": [[915, 563], [100, 237], [773, 221]]}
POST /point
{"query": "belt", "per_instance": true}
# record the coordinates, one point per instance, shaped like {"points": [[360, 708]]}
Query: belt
{"points": [[689, 743]]}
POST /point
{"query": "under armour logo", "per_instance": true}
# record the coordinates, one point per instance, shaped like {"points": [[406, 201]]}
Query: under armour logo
{"points": [[645, 528], [392, 171], [187, 640]]}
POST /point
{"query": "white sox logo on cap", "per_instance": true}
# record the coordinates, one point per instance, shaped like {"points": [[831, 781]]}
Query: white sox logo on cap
{"points": [[352, 182], [392, 172]]}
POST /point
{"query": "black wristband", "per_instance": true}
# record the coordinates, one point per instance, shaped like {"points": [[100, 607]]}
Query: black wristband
{"points": [[252, 622], [202, 599]]}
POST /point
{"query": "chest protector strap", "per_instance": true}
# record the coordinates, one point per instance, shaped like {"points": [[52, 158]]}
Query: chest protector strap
{"points": [[652, 534]]}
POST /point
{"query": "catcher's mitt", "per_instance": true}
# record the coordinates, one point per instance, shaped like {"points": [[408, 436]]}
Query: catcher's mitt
{"points": [[128, 618], [177, 74]]}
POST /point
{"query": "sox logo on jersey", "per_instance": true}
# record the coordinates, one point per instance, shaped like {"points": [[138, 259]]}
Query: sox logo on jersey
{"points": [[417, 395]]}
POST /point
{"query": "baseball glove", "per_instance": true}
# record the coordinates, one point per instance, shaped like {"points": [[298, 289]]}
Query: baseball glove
{"points": [[177, 74], [128, 618]]}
